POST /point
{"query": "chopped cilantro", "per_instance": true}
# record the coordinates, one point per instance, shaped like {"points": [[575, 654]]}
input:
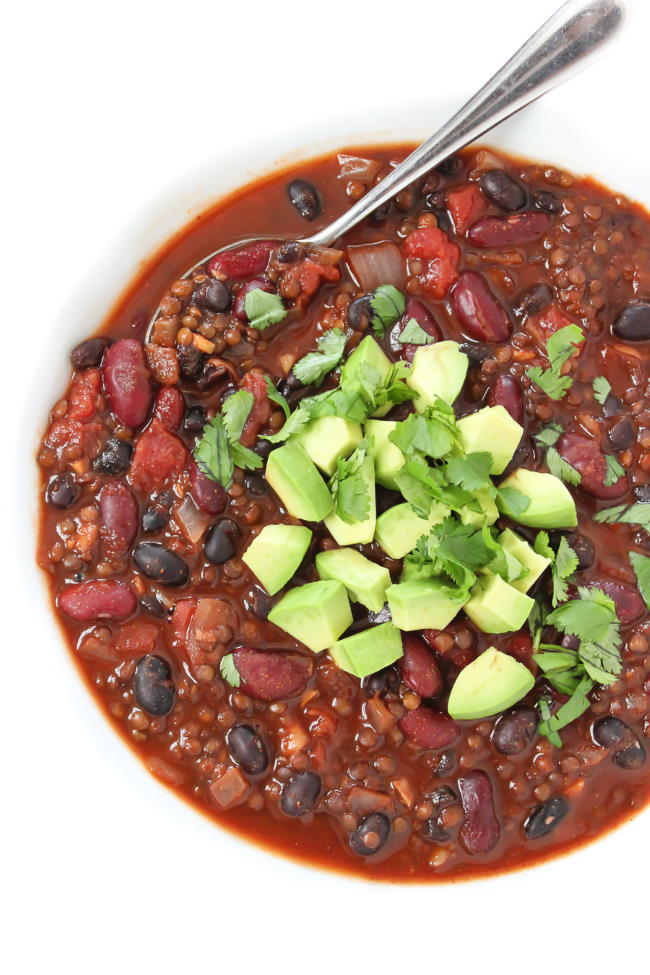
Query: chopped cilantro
{"points": [[641, 566], [433, 433], [577, 704], [228, 670], [564, 563], [592, 618], [548, 436], [558, 466], [471, 472], [235, 412], [601, 389], [314, 366], [276, 397], [549, 381], [560, 347], [415, 334], [349, 489], [263, 309], [212, 453], [387, 305], [614, 471], [633, 514], [515, 501]]}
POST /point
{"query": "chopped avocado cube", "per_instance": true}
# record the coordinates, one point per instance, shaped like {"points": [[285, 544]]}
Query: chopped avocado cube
{"points": [[438, 370], [486, 516], [496, 606], [399, 528], [297, 483], [369, 651], [550, 504], [526, 555], [356, 532], [315, 614], [365, 581], [411, 572], [275, 554], [488, 685], [387, 456], [328, 438], [370, 353], [421, 605], [491, 429]]}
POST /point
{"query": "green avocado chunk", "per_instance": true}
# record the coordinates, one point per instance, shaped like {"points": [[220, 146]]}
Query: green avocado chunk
{"points": [[365, 581], [328, 438], [486, 516], [519, 548], [275, 554], [399, 528], [316, 614], [550, 503], [370, 353], [493, 430], [421, 605], [369, 651], [490, 684], [357, 532], [295, 480], [438, 370], [387, 456], [496, 606]]}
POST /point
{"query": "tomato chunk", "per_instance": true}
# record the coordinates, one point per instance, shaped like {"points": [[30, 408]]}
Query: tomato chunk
{"points": [[465, 204], [158, 457], [441, 258]]}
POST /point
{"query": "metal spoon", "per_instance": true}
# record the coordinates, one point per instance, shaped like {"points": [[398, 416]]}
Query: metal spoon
{"points": [[562, 46]]}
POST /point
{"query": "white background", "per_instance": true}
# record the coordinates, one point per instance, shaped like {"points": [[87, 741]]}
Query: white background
{"points": [[103, 105]]}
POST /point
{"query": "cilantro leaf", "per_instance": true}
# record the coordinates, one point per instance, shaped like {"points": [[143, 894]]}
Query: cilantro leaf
{"points": [[633, 514], [276, 397], [244, 457], [564, 563], [471, 472], [549, 381], [314, 366], [641, 566], [235, 411], [560, 468], [349, 489], [592, 618], [228, 670], [559, 348], [387, 305], [601, 389], [263, 309], [212, 452], [549, 435], [415, 334], [513, 500], [433, 433], [614, 471], [577, 704]]}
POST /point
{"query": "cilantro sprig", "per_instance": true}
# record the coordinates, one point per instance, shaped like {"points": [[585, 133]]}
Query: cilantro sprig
{"points": [[559, 349], [625, 514], [263, 309], [386, 307], [414, 334], [219, 449], [602, 388], [547, 437], [314, 366], [641, 566], [564, 563], [228, 670], [349, 488]]}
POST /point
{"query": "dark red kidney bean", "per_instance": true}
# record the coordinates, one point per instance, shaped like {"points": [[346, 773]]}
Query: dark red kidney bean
{"points": [[417, 310], [420, 670], [584, 549], [515, 730], [62, 491], [585, 455], [161, 564], [305, 198], [631, 757], [195, 419], [546, 817], [127, 381], [248, 749], [506, 392], [153, 685], [633, 322], [428, 728], [300, 794], [480, 830], [532, 300], [219, 544], [370, 835], [608, 731], [212, 295], [547, 201], [97, 599], [244, 262], [260, 284], [478, 311], [115, 457], [518, 229], [503, 190], [118, 511], [88, 353], [270, 675], [629, 604], [170, 407], [621, 436], [210, 496]]}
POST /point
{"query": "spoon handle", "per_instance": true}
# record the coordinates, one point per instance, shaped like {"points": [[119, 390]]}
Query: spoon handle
{"points": [[561, 47]]}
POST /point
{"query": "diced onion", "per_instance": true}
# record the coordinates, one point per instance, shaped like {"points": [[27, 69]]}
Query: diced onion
{"points": [[484, 160], [375, 264], [356, 167], [191, 521]]}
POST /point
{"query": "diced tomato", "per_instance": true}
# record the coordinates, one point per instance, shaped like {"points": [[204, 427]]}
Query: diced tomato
{"points": [[74, 433], [441, 257], [136, 638], [309, 275], [84, 391], [163, 364], [170, 407], [551, 320], [195, 626], [158, 457], [261, 410], [465, 204], [180, 619], [520, 646], [75, 429]]}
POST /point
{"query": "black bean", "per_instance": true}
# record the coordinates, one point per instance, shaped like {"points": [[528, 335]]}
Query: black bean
{"points": [[247, 749], [503, 190], [612, 406], [434, 832], [300, 794], [546, 201], [152, 605], [621, 436], [642, 493], [62, 491], [435, 201], [546, 817], [305, 198], [190, 361], [380, 214], [212, 372], [115, 457], [359, 313], [515, 731], [195, 419], [290, 252], [154, 520], [609, 731], [213, 295], [570, 642], [376, 683], [88, 353], [153, 685], [450, 166], [584, 549], [262, 448], [371, 834], [631, 757], [444, 763], [532, 300], [159, 563], [476, 352], [219, 545], [261, 604], [255, 485], [443, 795], [633, 322]]}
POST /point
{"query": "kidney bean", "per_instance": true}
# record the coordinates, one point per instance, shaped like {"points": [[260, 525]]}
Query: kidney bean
{"points": [[219, 545], [547, 201], [480, 830], [212, 295], [420, 668], [118, 511], [153, 685], [62, 491], [428, 728], [585, 455], [478, 311], [515, 731], [608, 731], [210, 496], [502, 189], [89, 353], [271, 675], [305, 198], [629, 604], [584, 549], [371, 834], [97, 599], [518, 229], [506, 392], [633, 322], [622, 436], [546, 817], [532, 300], [300, 794], [170, 407], [159, 563], [115, 457], [238, 308], [244, 262], [127, 382], [631, 757], [417, 310], [248, 749]]}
